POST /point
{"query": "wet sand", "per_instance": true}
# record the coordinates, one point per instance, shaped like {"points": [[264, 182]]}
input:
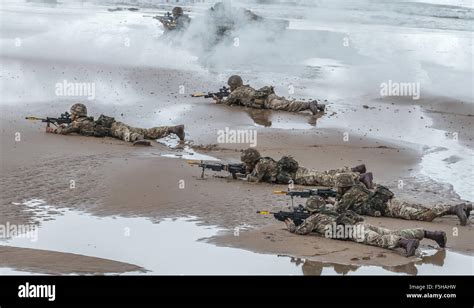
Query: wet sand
{"points": [[56, 263]]}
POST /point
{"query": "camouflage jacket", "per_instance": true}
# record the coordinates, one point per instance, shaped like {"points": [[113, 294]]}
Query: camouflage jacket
{"points": [[88, 127], [362, 201], [82, 126], [249, 97], [266, 170]]}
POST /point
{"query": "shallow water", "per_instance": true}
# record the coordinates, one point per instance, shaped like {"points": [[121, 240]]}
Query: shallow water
{"points": [[177, 247]]}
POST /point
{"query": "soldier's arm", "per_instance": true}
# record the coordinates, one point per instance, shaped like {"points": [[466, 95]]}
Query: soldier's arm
{"points": [[232, 99], [257, 174], [305, 228], [343, 204], [65, 130]]}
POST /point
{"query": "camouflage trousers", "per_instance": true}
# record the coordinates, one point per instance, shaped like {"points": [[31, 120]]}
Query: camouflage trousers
{"points": [[362, 233], [385, 238], [411, 211], [131, 134], [280, 103], [313, 177]]}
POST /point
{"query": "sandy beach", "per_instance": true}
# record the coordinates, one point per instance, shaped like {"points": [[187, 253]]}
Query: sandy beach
{"points": [[425, 144]]}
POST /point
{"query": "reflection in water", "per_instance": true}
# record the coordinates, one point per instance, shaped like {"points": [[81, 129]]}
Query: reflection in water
{"points": [[260, 116], [432, 262], [54, 2], [263, 117], [315, 268], [435, 259]]}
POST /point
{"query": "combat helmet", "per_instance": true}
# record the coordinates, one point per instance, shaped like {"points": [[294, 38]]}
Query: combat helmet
{"points": [[344, 180], [250, 156], [234, 82], [177, 11], [315, 204], [79, 110]]}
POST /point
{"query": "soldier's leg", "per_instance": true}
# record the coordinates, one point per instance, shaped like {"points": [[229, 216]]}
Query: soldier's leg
{"points": [[400, 209], [163, 131], [371, 235], [374, 236], [280, 103], [312, 177], [413, 233], [124, 132]]}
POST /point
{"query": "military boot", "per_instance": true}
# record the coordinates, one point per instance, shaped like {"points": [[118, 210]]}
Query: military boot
{"points": [[468, 209], [437, 236], [367, 180], [360, 169], [410, 246], [178, 130], [315, 107], [459, 211]]}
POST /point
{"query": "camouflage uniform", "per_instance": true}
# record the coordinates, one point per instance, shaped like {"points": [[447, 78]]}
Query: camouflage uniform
{"points": [[371, 235], [107, 126], [268, 170], [131, 134], [265, 170], [366, 202], [276, 102], [81, 125], [264, 98], [179, 21], [305, 176]]}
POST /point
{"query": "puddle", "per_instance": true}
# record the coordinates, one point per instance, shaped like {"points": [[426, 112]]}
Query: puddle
{"points": [[171, 247], [177, 247], [270, 118], [6, 271], [182, 151]]}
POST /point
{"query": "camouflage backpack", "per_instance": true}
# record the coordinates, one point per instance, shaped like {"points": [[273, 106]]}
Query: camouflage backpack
{"points": [[102, 126], [261, 95], [377, 201], [286, 167]]}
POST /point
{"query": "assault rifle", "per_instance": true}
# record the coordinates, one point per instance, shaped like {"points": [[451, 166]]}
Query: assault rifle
{"points": [[298, 215], [324, 192], [223, 92], [233, 168], [167, 20], [65, 118]]}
